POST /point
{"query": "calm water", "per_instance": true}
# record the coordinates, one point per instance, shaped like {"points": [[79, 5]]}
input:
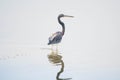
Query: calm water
{"points": [[37, 64]]}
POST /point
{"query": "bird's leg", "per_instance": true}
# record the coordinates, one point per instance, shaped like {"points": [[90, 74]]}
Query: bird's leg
{"points": [[52, 48], [56, 48]]}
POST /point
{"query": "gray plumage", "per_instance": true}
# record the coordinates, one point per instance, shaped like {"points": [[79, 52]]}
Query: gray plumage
{"points": [[57, 37]]}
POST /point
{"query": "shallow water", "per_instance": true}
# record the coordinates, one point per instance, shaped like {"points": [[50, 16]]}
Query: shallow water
{"points": [[37, 64]]}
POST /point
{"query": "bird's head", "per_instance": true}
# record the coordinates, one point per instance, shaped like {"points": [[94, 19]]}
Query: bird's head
{"points": [[62, 15]]}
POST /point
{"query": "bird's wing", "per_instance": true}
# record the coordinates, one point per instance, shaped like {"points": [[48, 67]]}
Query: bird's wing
{"points": [[52, 37], [55, 36]]}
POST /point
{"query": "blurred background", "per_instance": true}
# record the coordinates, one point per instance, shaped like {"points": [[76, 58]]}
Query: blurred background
{"points": [[90, 47]]}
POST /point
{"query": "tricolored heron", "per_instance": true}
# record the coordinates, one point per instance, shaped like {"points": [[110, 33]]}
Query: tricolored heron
{"points": [[57, 37]]}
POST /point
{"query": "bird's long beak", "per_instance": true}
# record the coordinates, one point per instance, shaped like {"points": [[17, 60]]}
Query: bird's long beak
{"points": [[68, 16]]}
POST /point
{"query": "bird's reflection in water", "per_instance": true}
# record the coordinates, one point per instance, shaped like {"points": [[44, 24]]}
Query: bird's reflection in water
{"points": [[56, 59]]}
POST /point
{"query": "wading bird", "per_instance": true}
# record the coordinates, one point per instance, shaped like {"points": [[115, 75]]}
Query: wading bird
{"points": [[57, 37]]}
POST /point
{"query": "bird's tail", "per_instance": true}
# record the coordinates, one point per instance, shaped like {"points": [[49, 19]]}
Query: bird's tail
{"points": [[49, 43]]}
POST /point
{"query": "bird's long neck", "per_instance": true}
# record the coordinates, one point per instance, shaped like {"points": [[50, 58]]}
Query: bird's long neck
{"points": [[62, 24]]}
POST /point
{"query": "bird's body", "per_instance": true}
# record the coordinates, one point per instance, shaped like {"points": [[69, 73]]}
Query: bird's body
{"points": [[57, 37]]}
